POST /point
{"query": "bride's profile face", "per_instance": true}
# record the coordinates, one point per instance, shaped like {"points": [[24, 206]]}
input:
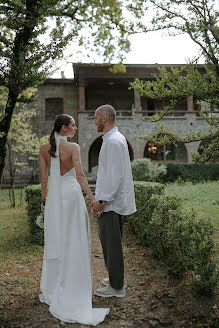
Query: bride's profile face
{"points": [[71, 129]]}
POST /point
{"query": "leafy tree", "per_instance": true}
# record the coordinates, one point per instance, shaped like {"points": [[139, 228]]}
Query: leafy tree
{"points": [[198, 19], [34, 33], [22, 144]]}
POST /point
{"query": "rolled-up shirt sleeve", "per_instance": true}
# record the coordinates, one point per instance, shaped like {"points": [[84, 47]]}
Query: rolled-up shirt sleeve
{"points": [[113, 171]]}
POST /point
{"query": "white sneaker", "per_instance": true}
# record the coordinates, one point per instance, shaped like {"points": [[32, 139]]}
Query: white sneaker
{"points": [[110, 292], [105, 282]]}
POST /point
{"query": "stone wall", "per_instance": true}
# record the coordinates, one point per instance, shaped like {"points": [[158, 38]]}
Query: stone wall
{"points": [[59, 88], [133, 126]]}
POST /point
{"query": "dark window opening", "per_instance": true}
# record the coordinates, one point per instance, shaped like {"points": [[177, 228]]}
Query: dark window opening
{"points": [[53, 108]]}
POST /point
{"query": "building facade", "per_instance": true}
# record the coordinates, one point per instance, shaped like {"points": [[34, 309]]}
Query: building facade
{"points": [[94, 85]]}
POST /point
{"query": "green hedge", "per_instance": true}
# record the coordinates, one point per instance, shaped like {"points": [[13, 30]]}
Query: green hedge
{"points": [[143, 192], [184, 242], [143, 169], [33, 199], [191, 172]]}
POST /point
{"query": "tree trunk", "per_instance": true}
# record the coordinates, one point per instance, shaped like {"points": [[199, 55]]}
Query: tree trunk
{"points": [[4, 129], [12, 170], [21, 196], [12, 196]]}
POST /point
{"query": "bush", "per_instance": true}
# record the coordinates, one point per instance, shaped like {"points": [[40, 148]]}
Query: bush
{"points": [[184, 242], [191, 172], [144, 170], [33, 199], [143, 192]]}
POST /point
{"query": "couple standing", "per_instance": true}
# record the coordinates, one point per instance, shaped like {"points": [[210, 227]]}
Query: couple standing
{"points": [[66, 281]]}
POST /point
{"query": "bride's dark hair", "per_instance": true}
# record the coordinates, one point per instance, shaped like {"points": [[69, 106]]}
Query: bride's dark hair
{"points": [[62, 119]]}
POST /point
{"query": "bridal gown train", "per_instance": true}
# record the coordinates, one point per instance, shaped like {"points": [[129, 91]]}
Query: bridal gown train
{"points": [[66, 281]]}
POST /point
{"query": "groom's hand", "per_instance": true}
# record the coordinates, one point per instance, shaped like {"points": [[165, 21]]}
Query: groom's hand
{"points": [[96, 207]]}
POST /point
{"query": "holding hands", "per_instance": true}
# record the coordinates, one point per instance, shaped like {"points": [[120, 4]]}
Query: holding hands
{"points": [[97, 207]]}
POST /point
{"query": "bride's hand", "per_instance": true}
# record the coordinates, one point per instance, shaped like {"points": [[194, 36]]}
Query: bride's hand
{"points": [[99, 213], [92, 201]]}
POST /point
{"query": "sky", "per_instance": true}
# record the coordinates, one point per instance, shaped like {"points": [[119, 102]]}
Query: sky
{"points": [[150, 48]]}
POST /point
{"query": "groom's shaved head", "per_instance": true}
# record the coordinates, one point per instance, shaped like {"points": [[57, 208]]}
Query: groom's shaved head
{"points": [[109, 111]]}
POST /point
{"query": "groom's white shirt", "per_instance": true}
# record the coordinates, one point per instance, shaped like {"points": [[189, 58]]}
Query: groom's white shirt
{"points": [[114, 177]]}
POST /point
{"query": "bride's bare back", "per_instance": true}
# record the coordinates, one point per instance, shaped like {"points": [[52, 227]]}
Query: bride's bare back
{"points": [[65, 153], [69, 157]]}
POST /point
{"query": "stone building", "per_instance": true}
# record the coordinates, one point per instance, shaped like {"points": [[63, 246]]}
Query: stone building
{"points": [[94, 85]]}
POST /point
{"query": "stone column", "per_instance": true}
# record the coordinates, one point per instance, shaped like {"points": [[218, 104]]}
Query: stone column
{"points": [[191, 114], [82, 105], [190, 105], [137, 101], [191, 147]]}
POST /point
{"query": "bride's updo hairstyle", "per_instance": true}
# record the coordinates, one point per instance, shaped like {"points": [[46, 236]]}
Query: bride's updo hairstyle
{"points": [[62, 119]]}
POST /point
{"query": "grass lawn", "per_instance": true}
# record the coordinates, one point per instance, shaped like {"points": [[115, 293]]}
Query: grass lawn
{"points": [[20, 260], [202, 197]]}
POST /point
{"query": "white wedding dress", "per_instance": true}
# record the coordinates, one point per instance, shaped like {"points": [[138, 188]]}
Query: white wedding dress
{"points": [[66, 281]]}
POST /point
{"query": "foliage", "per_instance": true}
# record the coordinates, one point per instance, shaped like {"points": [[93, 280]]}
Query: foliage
{"points": [[198, 19], [143, 192], [144, 170], [181, 82], [33, 34], [190, 172], [194, 196], [60, 22], [23, 144], [3, 97], [177, 83], [183, 241], [33, 199]]}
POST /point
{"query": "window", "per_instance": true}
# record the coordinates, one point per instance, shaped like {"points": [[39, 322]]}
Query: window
{"points": [[53, 107]]}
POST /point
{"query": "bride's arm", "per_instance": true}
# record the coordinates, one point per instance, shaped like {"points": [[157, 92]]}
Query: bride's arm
{"points": [[43, 175], [82, 180]]}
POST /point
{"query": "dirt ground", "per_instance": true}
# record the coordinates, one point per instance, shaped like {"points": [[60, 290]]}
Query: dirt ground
{"points": [[153, 298]]}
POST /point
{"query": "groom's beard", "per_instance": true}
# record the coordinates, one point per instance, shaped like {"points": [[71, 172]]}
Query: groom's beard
{"points": [[100, 126]]}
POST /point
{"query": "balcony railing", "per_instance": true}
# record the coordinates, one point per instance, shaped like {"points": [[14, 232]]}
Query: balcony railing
{"points": [[144, 113]]}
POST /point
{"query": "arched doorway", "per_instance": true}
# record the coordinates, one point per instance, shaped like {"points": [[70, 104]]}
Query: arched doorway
{"points": [[95, 149], [166, 153], [94, 153], [131, 153]]}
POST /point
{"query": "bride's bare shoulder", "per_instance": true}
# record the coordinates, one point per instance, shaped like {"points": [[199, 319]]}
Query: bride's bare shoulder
{"points": [[44, 147], [74, 145]]}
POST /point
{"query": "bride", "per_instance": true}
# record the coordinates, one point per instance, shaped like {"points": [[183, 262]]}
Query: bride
{"points": [[66, 281]]}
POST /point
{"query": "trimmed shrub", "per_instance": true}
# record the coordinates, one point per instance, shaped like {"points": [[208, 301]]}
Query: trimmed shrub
{"points": [[143, 192], [184, 242], [33, 199], [190, 172], [144, 170]]}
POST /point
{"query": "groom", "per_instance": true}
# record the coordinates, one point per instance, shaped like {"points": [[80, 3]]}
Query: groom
{"points": [[114, 198]]}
